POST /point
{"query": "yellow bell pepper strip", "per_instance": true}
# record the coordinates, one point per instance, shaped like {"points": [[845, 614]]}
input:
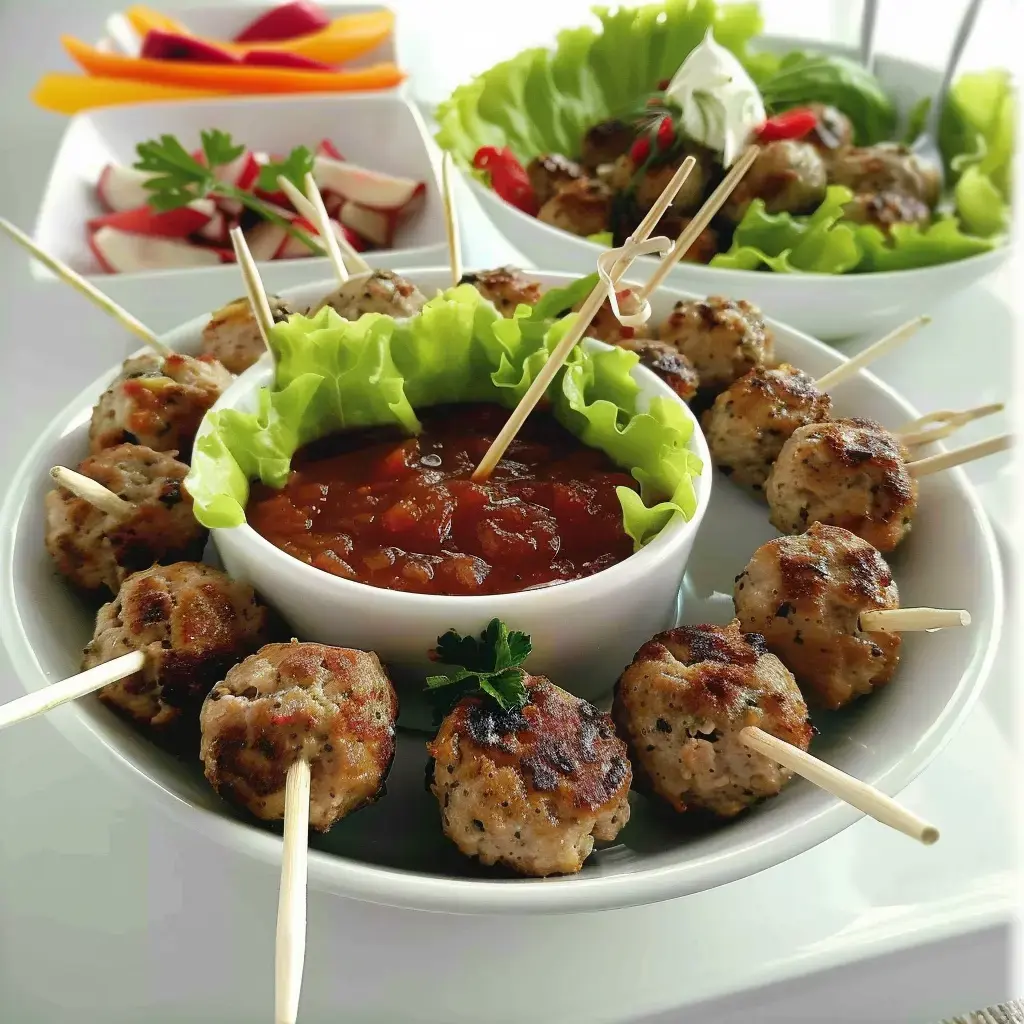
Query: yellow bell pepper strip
{"points": [[237, 78], [69, 94], [343, 40]]}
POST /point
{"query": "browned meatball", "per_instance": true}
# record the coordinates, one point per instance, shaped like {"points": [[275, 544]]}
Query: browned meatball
{"points": [[192, 622], [682, 703], [506, 287], [582, 207], [722, 338], [549, 172], [653, 181], [884, 209], [671, 366], [532, 788], [789, 176], [887, 167], [752, 419], [606, 142], [233, 337], [383, 291], [833, 132], [850, 473], [332, 706], [158, 402], [97, 549], [805, 595], [606, 326]]}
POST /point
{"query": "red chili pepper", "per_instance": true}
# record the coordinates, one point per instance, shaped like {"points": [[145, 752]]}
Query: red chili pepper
{"points": [[666, 134], [793, 124], [664, 84], [640, 150], [508, 177]]}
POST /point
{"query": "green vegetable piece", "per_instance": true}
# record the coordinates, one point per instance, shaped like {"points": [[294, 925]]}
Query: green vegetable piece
{"points": [[295, 166]]}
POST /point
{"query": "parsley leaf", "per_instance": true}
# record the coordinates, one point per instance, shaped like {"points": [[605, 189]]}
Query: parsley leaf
{"points": [[295, 166], [219, 148]]}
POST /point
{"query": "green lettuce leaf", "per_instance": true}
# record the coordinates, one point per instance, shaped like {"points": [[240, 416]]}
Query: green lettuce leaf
{"points": [[334, 374], [913, 246]]}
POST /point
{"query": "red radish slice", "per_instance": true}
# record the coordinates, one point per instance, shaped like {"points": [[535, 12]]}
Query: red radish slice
{"points": [[332, 203], [284, 59], [284, 22], [328, 149], [376, 226], [241, 172], [172, 224], [217, 230], [161, 45], [119, 252], [356, 241], [294, 248], [367, 188], [266, 240], [122, 188]]}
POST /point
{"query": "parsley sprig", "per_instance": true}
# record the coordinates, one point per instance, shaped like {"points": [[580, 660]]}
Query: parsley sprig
{"points": [[488, 666], [178, 178]]}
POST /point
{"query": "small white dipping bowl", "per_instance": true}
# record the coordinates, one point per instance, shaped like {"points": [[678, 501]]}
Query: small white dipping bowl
{"points": [[584, 632]]}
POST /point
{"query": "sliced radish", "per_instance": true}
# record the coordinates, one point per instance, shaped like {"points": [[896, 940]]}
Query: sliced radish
{"points": [[217, 230], [119, 252], [295, 248], [328, 149], [122, 188], [266, 240], [332, 203], [373, 189], [356, 241], [286, 21], [376, 226], [143, 220], [241, 172]]}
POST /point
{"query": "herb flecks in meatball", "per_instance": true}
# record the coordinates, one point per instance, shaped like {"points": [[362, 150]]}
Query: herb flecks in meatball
{"points": [[887, 167], [582, 207], [787, 176], [233, 337], [886, 209], [506, 287], [668, 363], [382, 291]]}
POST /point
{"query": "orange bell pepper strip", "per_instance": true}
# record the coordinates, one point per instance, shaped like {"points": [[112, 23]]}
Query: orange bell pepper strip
{"points": [[344, 39], [236, 78], [68, 94]]}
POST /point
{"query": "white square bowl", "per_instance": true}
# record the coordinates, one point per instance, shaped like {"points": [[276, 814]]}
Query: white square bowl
{"points": [[380, 131]]}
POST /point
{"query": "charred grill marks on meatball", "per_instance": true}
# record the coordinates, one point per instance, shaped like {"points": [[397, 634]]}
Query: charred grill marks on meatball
{"points": [[506, 287]]}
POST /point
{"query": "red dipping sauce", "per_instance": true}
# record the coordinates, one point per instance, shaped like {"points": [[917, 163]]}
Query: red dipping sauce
{"points": [[397, 512]]}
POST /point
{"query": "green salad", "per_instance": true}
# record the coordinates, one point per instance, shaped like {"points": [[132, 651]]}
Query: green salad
{"points": [[550, 102], [334, 374]]}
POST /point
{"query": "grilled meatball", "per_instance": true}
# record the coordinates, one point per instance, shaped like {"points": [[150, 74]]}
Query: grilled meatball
{"points": [[805, 595], [671, 366], [606, 142], [233, 337], [833, 132], [506, 287], [652, 182], [850, 473], [334, 707], [383, 291], [723, 338], [681, 704], [701, 249], [789, 176], [549, 172], [884, 209], [96, 549], [887, 167], [157, 402], [532, 787], [751, 420], [606, 326], [192, 622], [582, 207]]}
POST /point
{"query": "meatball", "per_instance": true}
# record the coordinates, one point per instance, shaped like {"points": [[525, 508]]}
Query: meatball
{"points": [[805, 595], [534, 787], [833, 132], [722, 338], [582, 207], [549, 172], [887, 167], [751, 420], [671, 366], [332, 706], [681, 704], [158, 402], [96, 549], [850, 473], [606, 326], [652, 182], [193, 623], [383, 291], [506, 287], [606, 142], [788, 176], [702, 249], [233, 337], [884, 209]]}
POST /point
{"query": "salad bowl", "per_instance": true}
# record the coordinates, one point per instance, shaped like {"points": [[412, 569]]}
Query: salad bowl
{"points": [[394, 852]]}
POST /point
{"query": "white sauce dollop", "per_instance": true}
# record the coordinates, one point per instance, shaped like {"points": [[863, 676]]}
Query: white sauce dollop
{"points": [[720, 103]]}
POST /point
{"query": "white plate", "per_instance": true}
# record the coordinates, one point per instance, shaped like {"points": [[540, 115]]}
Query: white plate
{"points": [[829, 306], [394, 852], [384, 132]]}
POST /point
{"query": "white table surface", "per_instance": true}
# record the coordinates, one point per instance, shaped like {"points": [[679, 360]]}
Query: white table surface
{"points": [[111, 912]]}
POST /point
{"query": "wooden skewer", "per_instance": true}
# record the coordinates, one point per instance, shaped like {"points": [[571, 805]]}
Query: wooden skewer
{"points": [[40, 701], [912, 620], [700, 221], [254, 289], [943, 423], [451, 222], [84, 287], [848, 789], [316, 213], [959, 456], [892, 340], [291, 908], [92, 491], [586, 314]]}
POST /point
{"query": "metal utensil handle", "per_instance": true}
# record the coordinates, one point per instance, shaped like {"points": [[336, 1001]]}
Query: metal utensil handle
{"points": [[970, 15], [868, 20]]}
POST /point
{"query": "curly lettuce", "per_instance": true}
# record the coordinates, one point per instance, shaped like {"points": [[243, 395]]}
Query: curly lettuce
{"points": [[334, 374]]}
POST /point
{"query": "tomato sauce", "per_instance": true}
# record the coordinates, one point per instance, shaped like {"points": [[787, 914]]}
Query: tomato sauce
{"points": [[402, 513]]}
